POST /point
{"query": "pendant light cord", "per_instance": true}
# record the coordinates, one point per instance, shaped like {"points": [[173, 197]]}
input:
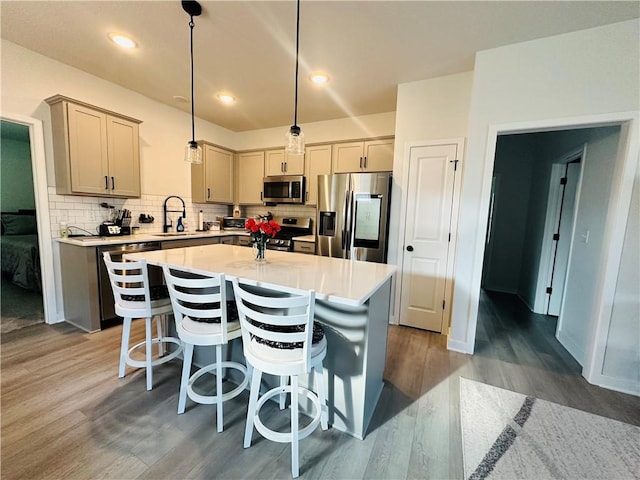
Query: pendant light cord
{"points": [[295, 113], [193, 124]]}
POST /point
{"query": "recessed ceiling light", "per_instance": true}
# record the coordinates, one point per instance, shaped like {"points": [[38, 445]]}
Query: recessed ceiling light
{"points": [[122, 40], [319, 78], [226, 98]]}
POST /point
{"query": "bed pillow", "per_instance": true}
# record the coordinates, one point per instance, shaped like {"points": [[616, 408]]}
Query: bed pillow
{"points": [[18, 224]]}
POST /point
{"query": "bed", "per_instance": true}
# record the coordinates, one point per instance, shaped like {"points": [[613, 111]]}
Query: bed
{"points": [[20, 257]]}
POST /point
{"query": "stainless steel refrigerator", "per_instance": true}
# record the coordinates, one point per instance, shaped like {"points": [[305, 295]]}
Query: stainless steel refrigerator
{"points": [[353, 216]]}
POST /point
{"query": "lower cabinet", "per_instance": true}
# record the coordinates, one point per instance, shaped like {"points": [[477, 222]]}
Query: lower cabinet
{"points": [[244, 240], [304, 247], [189, 242]]}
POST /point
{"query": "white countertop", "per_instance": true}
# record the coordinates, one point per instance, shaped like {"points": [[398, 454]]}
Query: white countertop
{"points": [[348, 282], [146, 237]]}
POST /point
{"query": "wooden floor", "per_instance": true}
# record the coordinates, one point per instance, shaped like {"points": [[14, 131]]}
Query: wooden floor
{"points": [[65, 414]]}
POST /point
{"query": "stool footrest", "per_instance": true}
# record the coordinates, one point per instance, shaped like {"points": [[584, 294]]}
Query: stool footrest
{"points": [[287, 437], [158, 361], [212, 399]]}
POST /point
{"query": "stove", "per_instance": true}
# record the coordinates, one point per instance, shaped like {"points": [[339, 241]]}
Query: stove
{"points": [[290, 227]]}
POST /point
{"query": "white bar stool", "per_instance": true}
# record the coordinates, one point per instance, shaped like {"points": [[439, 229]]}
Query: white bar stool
{"points": [[134, 298], [279, 338], [200, 311]]}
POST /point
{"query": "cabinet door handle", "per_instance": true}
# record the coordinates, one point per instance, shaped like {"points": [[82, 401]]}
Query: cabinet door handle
{"points": [[285, 167], [113, 183], [208, 193], [365, 162], [282, 167], [261, 196], [307, 197], [106, 182], [360, 162]]}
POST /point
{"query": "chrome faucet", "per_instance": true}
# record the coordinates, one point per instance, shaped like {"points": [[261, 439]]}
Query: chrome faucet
{"points": [[165, 226]]}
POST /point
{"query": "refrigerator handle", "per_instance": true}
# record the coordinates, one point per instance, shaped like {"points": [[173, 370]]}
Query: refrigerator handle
{"points": [[348, 225]]}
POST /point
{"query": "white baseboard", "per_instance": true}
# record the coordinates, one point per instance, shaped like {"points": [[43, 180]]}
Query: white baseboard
{"points": [[529, 306], [573, 348], [461, 347], [622, 385]]}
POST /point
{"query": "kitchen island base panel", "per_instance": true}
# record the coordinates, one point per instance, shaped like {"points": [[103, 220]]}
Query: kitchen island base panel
{"points": [[356, 354]]}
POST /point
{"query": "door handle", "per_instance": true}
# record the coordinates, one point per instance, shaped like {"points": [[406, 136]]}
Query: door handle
{"points": [[409, 248], [113, 183], [106, 182], [208, 193], [365, 162], [282, 167], [360, 162]]}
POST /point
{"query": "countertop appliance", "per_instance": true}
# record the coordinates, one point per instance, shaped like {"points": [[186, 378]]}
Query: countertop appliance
{"points": [[353, 216], [108, 315], [283, 189], [290, 227], [233, 223]]}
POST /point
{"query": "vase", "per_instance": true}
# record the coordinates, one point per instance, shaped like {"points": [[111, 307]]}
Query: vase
{"points": [[259, 249]]}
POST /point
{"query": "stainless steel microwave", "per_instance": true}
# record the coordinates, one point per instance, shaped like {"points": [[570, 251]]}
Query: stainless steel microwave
{"points": [[283, 189]]}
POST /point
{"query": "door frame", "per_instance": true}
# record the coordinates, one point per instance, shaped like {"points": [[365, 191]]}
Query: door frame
{"points": [[551, 221], [465, 316], [43, 219], [455, 208]]}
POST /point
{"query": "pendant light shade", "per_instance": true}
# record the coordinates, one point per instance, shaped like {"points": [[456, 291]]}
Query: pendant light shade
{"points": [[193, 151], [294, 142]]}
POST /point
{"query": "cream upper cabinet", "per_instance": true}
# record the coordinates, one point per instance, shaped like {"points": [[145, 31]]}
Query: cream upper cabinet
{"points": [[364, 156], [212, 180], [250, 174], [123, 146], [273, 163], [276, 163], [97, 152], [317, 162]]}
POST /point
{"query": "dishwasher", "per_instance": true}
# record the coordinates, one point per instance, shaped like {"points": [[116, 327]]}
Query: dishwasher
{"points": [[108, 317]]}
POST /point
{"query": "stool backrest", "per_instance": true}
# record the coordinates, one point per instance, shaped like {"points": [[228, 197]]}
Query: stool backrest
{"points": [[199, 297], [274, 317], [130, 286]]}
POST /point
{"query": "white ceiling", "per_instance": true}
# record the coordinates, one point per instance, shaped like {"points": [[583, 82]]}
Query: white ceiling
{"points": [[248, 48]]}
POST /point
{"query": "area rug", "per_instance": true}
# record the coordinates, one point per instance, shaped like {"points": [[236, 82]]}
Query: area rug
{"points": [[507, 435]]}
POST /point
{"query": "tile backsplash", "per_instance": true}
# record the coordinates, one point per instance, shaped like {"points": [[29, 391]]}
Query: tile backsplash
{"points": [[84, 214]]}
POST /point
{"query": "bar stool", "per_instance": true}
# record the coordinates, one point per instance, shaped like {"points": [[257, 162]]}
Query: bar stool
{"points": [[200, 311], [134, 298], [280, 338]]}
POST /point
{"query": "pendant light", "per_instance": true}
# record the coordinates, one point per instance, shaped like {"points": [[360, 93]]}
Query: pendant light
{"points": [[193, 151], [295, 138]]}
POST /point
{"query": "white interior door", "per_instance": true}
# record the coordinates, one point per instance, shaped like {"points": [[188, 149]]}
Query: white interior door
{"points": [[430, 200], [564, 237]]}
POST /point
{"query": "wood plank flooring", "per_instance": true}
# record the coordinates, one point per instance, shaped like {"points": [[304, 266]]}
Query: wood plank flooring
{"points": [[65, 414]]}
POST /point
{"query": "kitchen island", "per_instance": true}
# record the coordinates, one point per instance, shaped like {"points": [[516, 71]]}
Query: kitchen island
{"points": [[352, 302]]}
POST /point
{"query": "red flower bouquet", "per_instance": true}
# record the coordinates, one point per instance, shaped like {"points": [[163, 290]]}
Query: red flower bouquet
{"points": [[260, 230]]}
